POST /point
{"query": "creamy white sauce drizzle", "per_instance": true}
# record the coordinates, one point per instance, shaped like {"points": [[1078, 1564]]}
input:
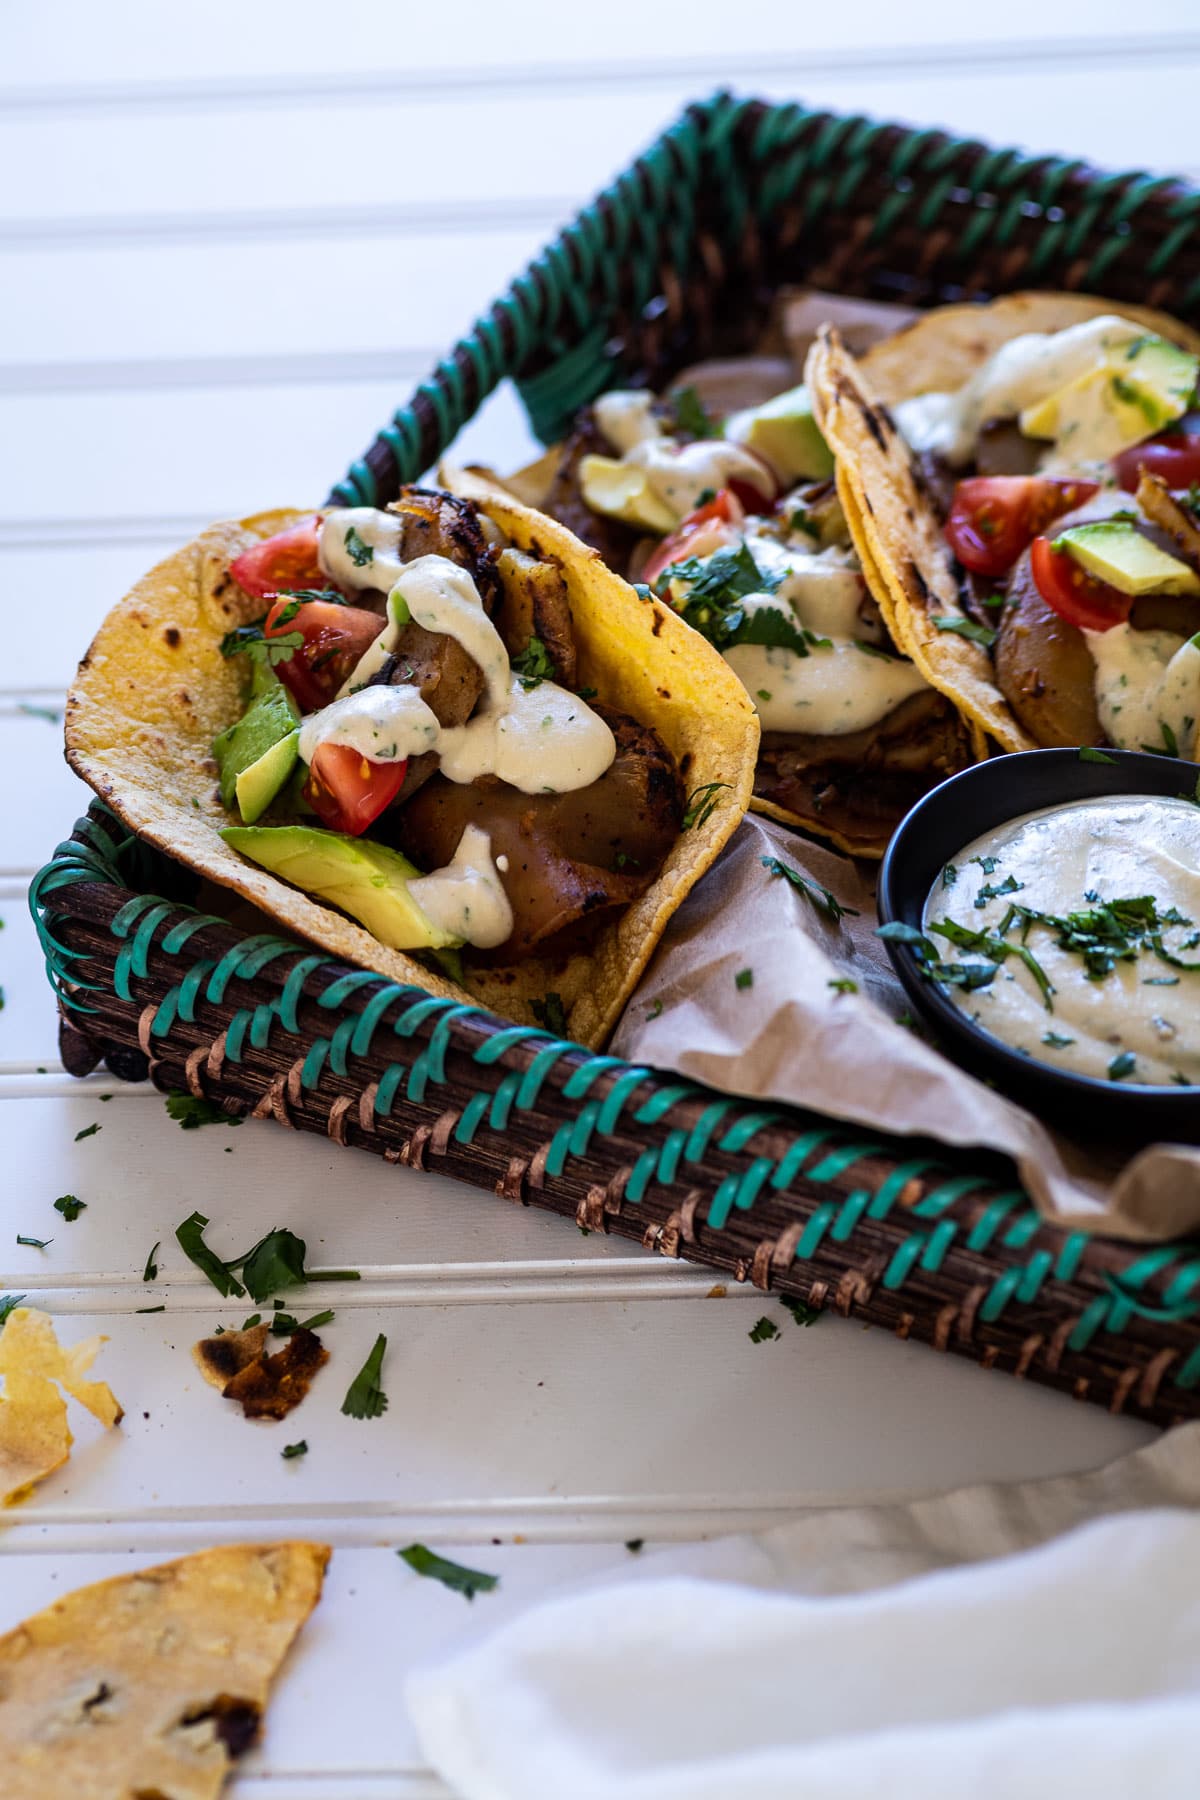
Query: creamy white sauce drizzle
{"points": [[381, 723], [1021, 373], [677, 474], [626, 417], [467, 897], [1146, 680], [1118, 848]]}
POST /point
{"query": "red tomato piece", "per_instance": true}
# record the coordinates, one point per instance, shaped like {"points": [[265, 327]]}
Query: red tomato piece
{"points": [[710, 527], [1079, 598], [1175, 457], [347, 791], [334, 638], [287, 560], [994, 517]]}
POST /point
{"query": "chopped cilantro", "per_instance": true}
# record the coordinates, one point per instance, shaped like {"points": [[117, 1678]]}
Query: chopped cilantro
{"points": [[1089, 753], [533, 665], [360, 554], [994, 891], [1169, 745], [949, 875], [634, 1545], [149, 1309], [701, 803], [843, 985], [34, 1243], [191, 1112], [1161, 981], [763, 1332], [967, 628], [716, 587], [70, 1207], [588, 693], [801, 1312], [285, 1323], [455, 1576], [654, 1009], [150, 1272], [802, 520], [1055, 1041], [989, 864], [191, 1241], [88, 1131], [365, 1399], [1122, 1065], [744, 978], [9, 1303], [550, 1014], [827, 904], [291, 1451], [251, 641], [692, 416], [51, 714]]}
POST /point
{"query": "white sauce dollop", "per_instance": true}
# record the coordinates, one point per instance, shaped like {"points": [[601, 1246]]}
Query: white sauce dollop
{"points": [[1116, 848], [467, 897], [1146, 681]]}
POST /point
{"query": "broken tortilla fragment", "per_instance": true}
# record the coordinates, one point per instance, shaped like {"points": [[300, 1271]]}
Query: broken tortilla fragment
{"points": [[268, 1387], [35, 1438], [155, 1682]]}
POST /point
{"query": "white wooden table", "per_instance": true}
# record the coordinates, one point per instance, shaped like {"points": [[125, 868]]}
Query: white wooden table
{"points": [[231, 236]]}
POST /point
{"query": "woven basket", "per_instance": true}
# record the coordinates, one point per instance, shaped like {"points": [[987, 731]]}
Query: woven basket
{"points": [[678, 259]]}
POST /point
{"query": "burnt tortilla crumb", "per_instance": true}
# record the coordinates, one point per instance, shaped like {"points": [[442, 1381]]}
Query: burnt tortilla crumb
{"points": [[266, 1387], [235, 1722]]}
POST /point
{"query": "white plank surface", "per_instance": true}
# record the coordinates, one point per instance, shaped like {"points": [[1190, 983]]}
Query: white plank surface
{"points": [[230, 239]]}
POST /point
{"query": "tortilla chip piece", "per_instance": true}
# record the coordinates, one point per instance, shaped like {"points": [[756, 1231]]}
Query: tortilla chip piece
{"points": [[154, 690], [268, 1387], [35, 1438], [904, 556], [151, 1684]]}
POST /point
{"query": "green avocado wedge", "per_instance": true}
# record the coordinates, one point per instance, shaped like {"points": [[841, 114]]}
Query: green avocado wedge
{"points": [[784, 431], [253, 743], [364, 879]]}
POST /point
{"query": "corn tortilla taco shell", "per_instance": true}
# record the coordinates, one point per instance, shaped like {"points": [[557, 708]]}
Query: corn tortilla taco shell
{"points": [[152, 1683], [895, 529], [154, 690], [35, 1436]]}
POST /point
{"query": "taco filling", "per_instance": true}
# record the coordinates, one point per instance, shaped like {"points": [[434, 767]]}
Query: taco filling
{"points": [[443, 721], [735, 522], [1060, 477]]}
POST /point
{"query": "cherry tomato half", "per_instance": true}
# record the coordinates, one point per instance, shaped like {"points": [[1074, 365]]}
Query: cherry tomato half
{"points": [[1175, 457], [287, 560], [710, 527], [334, 638], [994, 517], [347, 791], [1079, 598]]}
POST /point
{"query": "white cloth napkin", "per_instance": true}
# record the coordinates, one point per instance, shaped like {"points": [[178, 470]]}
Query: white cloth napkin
{"points": [[996, 1643]]}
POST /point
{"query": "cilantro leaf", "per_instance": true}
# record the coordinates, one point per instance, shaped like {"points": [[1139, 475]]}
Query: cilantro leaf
{"points": [[1089, 753], [9, 1303], [34, 1243], [820, 898], [533, 665], [691, 415], [360, 553], [844, 984], [456, 1576], [251, 641], [150, 1272], [285, 1323], [763, 1332], [365, 1399], [634, 1545], [550, 1014], [744, 978], [966, 628], [291, 1451], [801, 1312], [190, 1236], [70, 1207], [1122, 1066], [191, 1112], [87, 1132], [701, 803]]}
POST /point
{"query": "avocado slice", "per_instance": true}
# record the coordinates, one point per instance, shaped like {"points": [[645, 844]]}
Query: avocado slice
{"points": [[622, 491], [1141, 386], [1116, 552], [270, 717], [364, 879], [258, 785], [786, 434]]}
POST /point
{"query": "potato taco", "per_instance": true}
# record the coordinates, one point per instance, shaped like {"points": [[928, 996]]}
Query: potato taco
{"points": [[1021, 478], [721, 499], [443, 741]]}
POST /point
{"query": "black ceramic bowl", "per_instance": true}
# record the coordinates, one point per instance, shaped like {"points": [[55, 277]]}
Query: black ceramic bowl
{"points": [[937, 828]]}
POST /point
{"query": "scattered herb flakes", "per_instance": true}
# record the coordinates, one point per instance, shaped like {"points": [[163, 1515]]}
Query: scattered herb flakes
{"points": [[550, 1014], [190, 1112], [365, 1399], [654, 1009], [290, 1452], [70, 1207], [1161, 981], [1089, 753], [701, 803], [744, 978], [150, 1272], [88, 1131], [275, 1262], [51, 714], [190, 1236], [285, 1323], [989, 864], [251, 642], [149, 1309], [691, 415], [1122, 1065], [634, 1545], [9, 1303], [801, 1312], [456, 1576], [533, 665], [827, 904], [34, 1243], [1054, 1040], [967, 628], [843, 984], [763, 1331], [997, 890], [360, 553], [949, 875]]}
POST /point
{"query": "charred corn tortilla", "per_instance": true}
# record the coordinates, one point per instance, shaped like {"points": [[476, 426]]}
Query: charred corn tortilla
{"points": [[895, 528], [151, 1683], [154, 690]]}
